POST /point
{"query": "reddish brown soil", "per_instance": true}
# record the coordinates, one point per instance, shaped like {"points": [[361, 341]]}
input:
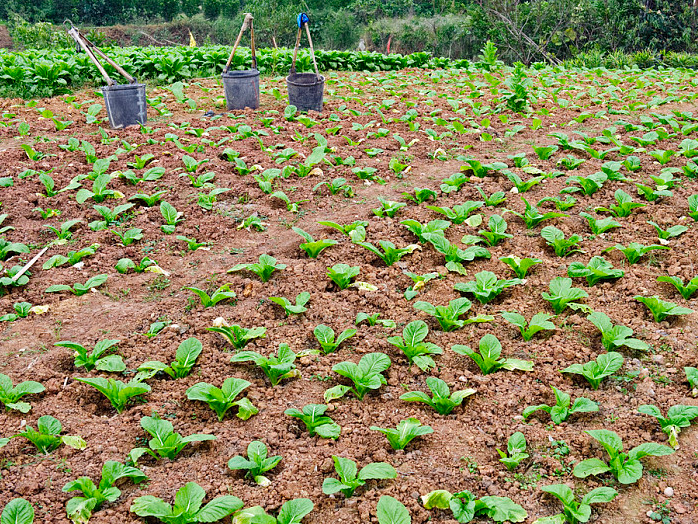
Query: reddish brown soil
{"points": [[461, 453], [5, 39]]}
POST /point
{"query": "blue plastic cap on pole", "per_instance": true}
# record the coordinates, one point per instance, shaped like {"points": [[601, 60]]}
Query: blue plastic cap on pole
{"points": [[302, 19]]}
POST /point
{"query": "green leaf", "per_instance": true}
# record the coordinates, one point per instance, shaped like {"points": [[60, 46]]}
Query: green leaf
{"points": [[17, 511], [293, 511], [391, 511]]}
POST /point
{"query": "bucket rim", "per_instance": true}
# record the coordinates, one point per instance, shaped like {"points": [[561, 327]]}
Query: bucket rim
{"points": [[123, 87], [291, 79], [240, 73]]}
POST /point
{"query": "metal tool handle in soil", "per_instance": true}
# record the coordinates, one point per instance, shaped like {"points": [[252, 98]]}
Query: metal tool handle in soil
{"points": [[91, 49], [303, 20], [248, 22]]}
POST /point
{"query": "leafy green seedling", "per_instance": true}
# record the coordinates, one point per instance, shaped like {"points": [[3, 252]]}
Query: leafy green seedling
{"points": [[437, 227], [497, 227], [17, 511], [221, 400], [693, 207], [256, 463], [460, 212], [326, 337], [587, 184], [343, 274], [336, 186], [315, 420], [292, 512], [350, 479], [556, 239], [390, 253], [22, 310], [125, 264], [539, 322], [532, 216], [454, 255], [634, 251], [192, 243], [614, 337], [373, 319], [486, 287], [405, 432], [77, 288], [185, 358], [412, 344], [661, 309], [165, 443], [219, 295], [515, 453], [388, 207], [7, 248], [172, 217], [442, 400], [80, 509], [520, 266], [94, 359], [419, 281], [563, 407], [671, 232], [625, 467], [488, 359], [187, 506], [293, 207], [596, 270], [275, 367], [50, 186], [129, 236], [466, 507], [521, 186], [109, 216], [652, 194], [365, 376], [686, 291], [63, 231], [117, 392], [561, 205], [574, 512], [99, 191], [9, 395], [595, 371], [289, 307], [356, 231], [562, 294], [420, 195], [624, 207], [448, 316], [313, 247], [599, 226], [47, 437], [72, 258], [264, 269], [148, 200], [678, 416], [239, 336]]}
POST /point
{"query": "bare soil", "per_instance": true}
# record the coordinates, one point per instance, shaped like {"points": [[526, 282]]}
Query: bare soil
{"points": [[461, 453]]}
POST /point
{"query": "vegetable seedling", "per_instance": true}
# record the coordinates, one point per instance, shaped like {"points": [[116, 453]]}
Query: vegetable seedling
{"points": [[562, 246], [614, 337], [412, 344], [219, 295], [539, 322], [520, 266], [515, 453], [497, 232], [117, 392], [9, 395], [343, 274], [165, 443], [686, 291], [366, 376], [77, 288], [563, 407], [532, 217], [466, 507], [574, 512], [315, 420], [221, 400], [289, 307], [562, 294], [239, 336], [448, 316], [17, 511], [390, 253], [661, 309], [678, 416], [405, 432], [442, 400], [373, 319], [388, 208], [94, 359], [313, 247], [326, 337], [275, 367], [595, 271], [488, 359], [256, 463], [350, 479], [596, 370], [22, 310], [486, 287], [264, 269], [47, 437], [624, 207], [185, 358]]}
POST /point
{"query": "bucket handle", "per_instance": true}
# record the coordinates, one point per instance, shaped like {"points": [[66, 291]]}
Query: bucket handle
{"points": [[247, 22], [90, 50], [303, 20]]}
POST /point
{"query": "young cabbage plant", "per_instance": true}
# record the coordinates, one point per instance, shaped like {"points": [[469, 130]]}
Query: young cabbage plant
{"points": [[292, 512], [8, 248], [596, 370], [117, 392], [275, 367], [165, 443], [388, 208], [373, 320], [486, 287], [515, 453], [187, 506], [185, 358], [693, 207], [678, 416], [437, 227], [10, 396], [634, 251], [420, 195], [661, 309], [488, 359], [22, 310], [563, 407], [17, 511], [532, 216], [539, 322], [521, 186], [448, 316], [497, 232], [289, 307], [80, 508], [692, 379], [562, 294], [493, 200], [293, 207], [455, 256], [562, 246], [125, 264], [239, 336], [326, 337], [520, 266], [78, 288], [47, 437], [625, 467], [624, 207], [460, 212], [390, 253], [599, 226], [128, 236], [95, 359], [336, 186], [350, 478], [313, 247], [219, 295], [687, 290], [595, 271], [412, 344], [575, 512], [256, 463], [419, 281], [221, 400], [63, 231], [406, 431], [72, 258], [343, 274], [442, 400], [264, 269], [356, 231], [614, 337], [171, 216], [315, 421], [367, 375], [466, 507]]}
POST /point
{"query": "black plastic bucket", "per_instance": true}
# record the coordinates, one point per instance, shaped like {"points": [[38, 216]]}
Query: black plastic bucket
{"points": [[241, 89], [305, 91], [126, 105]]}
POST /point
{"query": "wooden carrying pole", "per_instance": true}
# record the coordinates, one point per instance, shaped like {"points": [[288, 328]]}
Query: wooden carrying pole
{"points": [[90, 49], [248, 22]]}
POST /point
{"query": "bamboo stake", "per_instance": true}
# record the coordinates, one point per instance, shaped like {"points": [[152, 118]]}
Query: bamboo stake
{"points": [[245, 24]]}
